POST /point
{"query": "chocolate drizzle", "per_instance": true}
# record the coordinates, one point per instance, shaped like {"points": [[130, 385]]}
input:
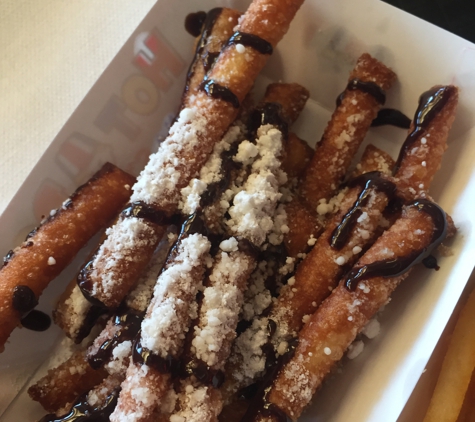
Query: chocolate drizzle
{"points": [[82, 411], [219, 92], [194, 23], [85, 284], [397, 266], [23, 299], [142, 355], [202, 372], [7, 258], [390, 116], [209, 59], [202, 23], [267, 114], [215, 189], [36, 321], [364, 86], [260, 404], [431, 262], [142, 210], [31, 233], [430, 104], [92, 315], [369, 181], [128, 323], [250, 40]]}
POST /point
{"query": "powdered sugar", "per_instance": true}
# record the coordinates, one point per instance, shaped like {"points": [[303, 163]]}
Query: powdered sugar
{"points": [[167, 319], [122, 239], [211, 172], [253, 206], [159, 179], [222, 301]]}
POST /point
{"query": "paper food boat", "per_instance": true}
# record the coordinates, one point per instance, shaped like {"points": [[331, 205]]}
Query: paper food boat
{"points": [[130, 108]]}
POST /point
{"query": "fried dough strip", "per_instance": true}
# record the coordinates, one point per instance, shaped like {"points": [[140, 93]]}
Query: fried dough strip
{"points": [[291, 99], [421, 155], [99, 402], [217, 29], [163, 329], [374, 159], [222, 301], [124, 326], [62, 385], [315, 278], [51, 247], [334, 326], [197, 403], [196, 131], [75, 314], [297, 156], [291, 96], [223, 295], [345, 131], [303, 225], [303, 222]]}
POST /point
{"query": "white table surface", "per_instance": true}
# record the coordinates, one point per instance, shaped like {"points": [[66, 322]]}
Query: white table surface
{"points": [[52, 51]]}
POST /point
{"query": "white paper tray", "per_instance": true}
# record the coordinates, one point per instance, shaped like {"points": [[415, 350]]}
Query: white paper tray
{"points": [[318, 52]]}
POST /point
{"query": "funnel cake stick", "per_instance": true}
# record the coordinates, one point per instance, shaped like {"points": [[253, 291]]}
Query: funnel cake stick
{"points": [[374, 159], [224, 292], [61, 386], [50, 248], [334, 326], [360, 103], [217, 28], [198, 128], [163, 330], [347, 234], [421, 154]]}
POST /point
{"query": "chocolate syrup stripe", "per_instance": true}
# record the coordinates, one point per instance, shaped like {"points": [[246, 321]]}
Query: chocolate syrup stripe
{"points": [[136, 209], [367, 87], [369, 182], [196, 24], [250, 40], [260, 404], [220, 92], [386, 116], [431, 103], [82, 411], [128, 320], [397, 266]]}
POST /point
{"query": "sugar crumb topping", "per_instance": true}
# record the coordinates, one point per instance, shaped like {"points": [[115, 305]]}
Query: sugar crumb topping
{"points": [[122, 239], [159, 179], [168, 317]]}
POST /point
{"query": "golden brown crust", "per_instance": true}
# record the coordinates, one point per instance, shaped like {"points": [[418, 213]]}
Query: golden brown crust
{"points": [[318, 274], [297, 156], [125, 273], [334, 326], [65, 383], [345, 131], [292, 98], [374, 159], [219, 34], [419, 165], [57, 241], [303, 224]]}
